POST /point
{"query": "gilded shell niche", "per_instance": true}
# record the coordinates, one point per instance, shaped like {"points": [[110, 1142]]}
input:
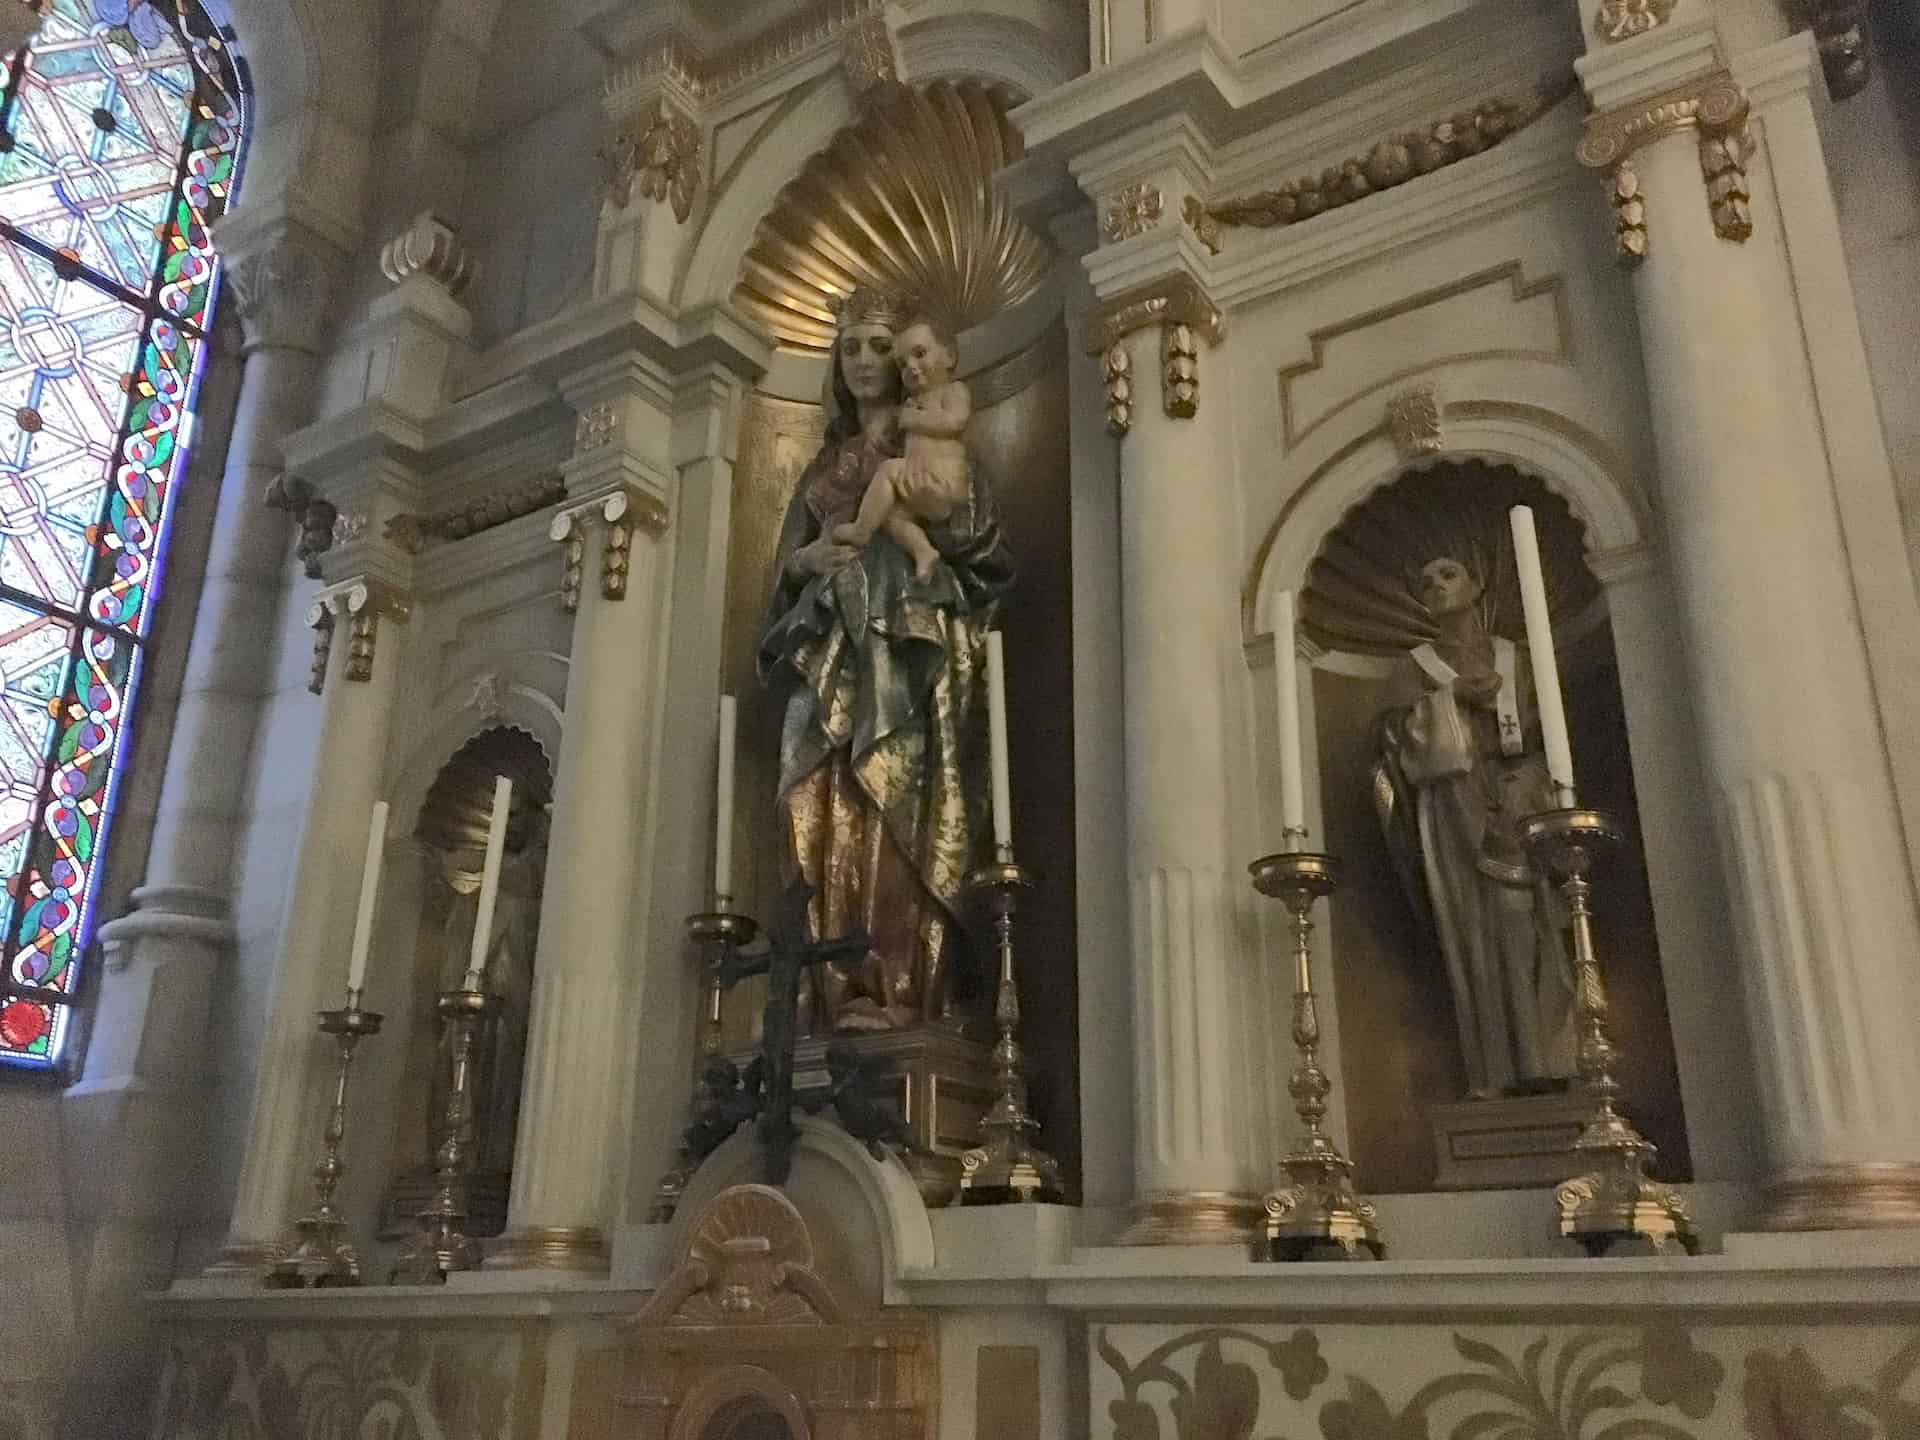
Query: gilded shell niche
{"points": [[902, 199], [1359, 592]]}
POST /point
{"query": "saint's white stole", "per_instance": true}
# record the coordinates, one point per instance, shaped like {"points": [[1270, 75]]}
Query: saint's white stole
{"points": [[1506, 706]]}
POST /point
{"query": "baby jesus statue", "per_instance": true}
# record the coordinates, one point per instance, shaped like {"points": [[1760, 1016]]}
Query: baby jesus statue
{"points": [[934, 418]]}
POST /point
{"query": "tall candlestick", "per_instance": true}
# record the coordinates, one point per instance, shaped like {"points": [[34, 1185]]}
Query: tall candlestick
{"points": [[997, 743], [723, 803], [1286, 684], [1546, 673], [369, 889], [489, 880]]}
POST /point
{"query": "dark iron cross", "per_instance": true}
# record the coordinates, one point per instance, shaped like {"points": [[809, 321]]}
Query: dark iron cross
{"points": [[788, 953]]}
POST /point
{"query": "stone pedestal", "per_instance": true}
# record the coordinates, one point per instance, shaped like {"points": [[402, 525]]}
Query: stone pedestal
{"points": [[1506, 1144]]}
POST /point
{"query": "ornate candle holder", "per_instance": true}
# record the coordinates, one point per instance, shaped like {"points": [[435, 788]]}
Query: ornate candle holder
{"points": [[322, 1255], [1006, 1165], [442, 1244], [1318, 1206], [722, 933], [1614, 1199]]}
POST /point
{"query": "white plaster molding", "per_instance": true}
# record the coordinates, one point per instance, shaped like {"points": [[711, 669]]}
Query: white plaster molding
{"points": [[1780, 71], [1603, 502], [1017, 51], [457, 564], [1533, 163], [1685, 47]]}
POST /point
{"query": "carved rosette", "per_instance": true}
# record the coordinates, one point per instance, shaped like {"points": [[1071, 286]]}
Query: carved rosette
{"points": [[655, 152], [430, 247], [1624, 19], [1715, 107], [1134, 210], [620, 510], [361, 603]]}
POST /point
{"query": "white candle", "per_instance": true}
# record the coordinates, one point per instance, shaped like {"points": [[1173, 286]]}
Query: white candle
{"points": [[997, 742], [1286, 685], [489, 880], [723, 803], [1546, 673], [369, 889]]}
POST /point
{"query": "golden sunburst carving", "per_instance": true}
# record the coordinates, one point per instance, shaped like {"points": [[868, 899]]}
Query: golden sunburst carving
{"points": [[902, 199]]}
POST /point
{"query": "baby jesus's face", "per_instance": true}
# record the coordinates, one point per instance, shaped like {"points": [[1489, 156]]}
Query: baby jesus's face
{"points": [[924, 361]]}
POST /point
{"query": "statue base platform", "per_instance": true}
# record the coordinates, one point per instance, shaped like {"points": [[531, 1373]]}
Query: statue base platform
{"points": [[483, 1194], [945, 1085], [1508, 1144]]}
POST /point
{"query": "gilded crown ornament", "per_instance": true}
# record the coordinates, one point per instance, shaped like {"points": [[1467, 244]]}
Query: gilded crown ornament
{"points": [[868, 305]]}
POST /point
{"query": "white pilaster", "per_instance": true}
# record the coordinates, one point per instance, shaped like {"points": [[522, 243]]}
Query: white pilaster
{"points": [[363, 658], [1799, 775], [571, 1152]]}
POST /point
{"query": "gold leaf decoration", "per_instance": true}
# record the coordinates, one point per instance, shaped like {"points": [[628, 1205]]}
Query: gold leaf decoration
{"points": [[902, 199]]}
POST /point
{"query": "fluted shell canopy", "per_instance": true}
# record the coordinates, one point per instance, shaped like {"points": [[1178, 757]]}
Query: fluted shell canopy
{"points": [[902, 200], [1359, 596], [459, 803]]}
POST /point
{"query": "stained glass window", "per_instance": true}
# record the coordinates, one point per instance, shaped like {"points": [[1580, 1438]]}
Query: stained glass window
{"points": [[119, 141]]}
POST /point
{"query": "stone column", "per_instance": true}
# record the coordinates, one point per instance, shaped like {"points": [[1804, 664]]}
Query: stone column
{"points": [[1798, 772], [1192, 1089], [360, 642], [145, 1077], [571, 1148]]}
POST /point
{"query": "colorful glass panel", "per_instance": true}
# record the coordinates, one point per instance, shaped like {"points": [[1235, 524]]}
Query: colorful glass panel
{"points": [[119, 144]]}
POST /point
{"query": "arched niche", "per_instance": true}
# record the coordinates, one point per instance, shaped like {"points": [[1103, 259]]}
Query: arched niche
{"points": [[449, 836], [1019, 433], [1352, 543]]}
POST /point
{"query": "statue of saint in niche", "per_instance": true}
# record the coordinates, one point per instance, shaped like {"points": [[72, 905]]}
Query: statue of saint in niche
{"points": [[1460, 768], [508, 977], [891, 570]]}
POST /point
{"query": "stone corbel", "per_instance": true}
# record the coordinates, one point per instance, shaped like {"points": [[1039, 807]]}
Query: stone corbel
{"points": [[1715, 107], [1185, 315], [360, 602], [621, 510]]}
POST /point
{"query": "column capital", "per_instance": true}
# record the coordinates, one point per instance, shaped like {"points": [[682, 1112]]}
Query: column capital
{"points": [[360, 603], [618, 510], [285, 271]]}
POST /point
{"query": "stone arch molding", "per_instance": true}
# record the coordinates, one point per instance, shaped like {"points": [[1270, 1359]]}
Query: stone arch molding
{"points": [[887, 1190], [1003, 47], [1558, 452]]}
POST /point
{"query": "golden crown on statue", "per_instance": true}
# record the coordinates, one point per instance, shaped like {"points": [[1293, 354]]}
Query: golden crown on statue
{"points": [[869, 305]]}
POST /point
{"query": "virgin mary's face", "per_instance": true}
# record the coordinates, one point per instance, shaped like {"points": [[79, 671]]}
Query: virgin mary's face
{"points": [[866, 360]]}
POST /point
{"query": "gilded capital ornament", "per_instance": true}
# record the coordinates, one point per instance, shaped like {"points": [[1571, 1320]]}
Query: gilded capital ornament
{"points": [[1712, 105], [361, 603], [656, 152], [620, 510], [1117, 368], [1177, 297], [1134, 210], [1179, 370]]}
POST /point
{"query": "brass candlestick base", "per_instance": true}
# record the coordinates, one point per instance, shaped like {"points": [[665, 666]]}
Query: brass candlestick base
{"points": [[322, 1255], [722, 935], [442, 1245], [1614, 1199], [1006, 1165], [1316, 1211]]}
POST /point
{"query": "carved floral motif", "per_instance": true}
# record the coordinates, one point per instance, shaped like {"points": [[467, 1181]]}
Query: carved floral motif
{"points": [[1623, 19], [1134, 210], [657, 153]]}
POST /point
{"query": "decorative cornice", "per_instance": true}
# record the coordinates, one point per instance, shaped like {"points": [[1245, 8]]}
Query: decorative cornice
{"points": [[1712, 103], [673, 57], [415, 533], [1176, 299], [430, 247], [1393, 161]]}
